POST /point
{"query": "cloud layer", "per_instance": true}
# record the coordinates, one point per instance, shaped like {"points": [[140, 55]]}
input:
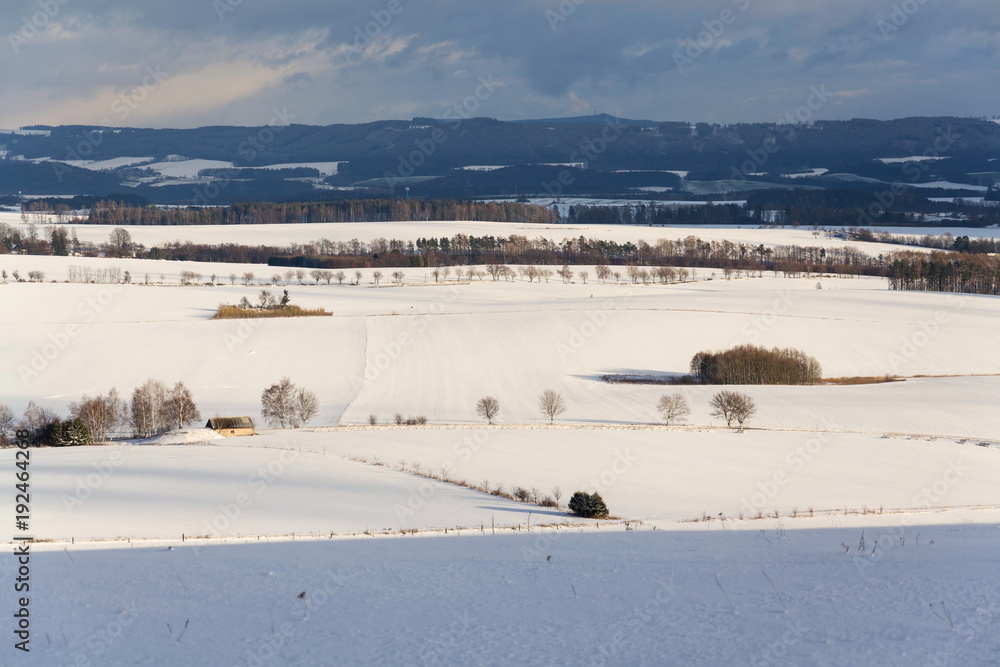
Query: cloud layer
{"points": [[232, 62]]}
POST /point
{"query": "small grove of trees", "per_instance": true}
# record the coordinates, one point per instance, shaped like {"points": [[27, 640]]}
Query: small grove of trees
{"points": [[44, 427], [283, 404], [588, 505], [733, 406], [750, 364], [154, 409], [673, 408], [488, 408], [100, 415], [551, 404]]}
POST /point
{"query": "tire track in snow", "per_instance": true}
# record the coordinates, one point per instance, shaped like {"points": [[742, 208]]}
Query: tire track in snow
{"points": [[362, 382]]}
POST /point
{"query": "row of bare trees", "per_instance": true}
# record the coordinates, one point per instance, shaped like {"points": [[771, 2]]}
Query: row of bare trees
{"points": [[734, 407]]}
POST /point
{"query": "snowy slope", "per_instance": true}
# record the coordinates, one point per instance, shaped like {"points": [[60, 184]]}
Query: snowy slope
{"points": [[435, 349], [926, 595]]}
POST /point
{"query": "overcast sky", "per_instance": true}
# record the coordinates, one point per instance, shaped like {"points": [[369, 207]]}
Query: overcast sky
{"points": [[188, 63]]}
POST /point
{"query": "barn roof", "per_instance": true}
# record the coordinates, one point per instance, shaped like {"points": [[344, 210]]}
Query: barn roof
{"points": [[220, 423]]}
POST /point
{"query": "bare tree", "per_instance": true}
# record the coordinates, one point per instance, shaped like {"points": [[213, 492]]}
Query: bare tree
{"points": [[120, 242], [100, 415], [397, 276], [37, 421], [373, 419], [277, 403], [357, 277], [673, 407], [487, 408], [147, 413], [340, 275], [566, 273], [180, 408], [495, 271], [6, 422], [583, 277], [733, 406], [306, 407], [284, 404], [603, 272], [377, 276], [247, 278], [551, 404]]}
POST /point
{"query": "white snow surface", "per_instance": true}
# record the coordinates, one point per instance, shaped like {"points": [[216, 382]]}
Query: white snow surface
{"points": [[187, 168], [911, 158], [287, 547], [948, 185], [815, 171]]}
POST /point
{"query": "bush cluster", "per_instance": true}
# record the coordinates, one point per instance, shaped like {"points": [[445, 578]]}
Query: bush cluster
{"points": [[750, 364]]}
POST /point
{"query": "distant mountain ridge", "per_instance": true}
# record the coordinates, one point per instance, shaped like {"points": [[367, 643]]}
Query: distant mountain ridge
{"points": [[586, 155]]}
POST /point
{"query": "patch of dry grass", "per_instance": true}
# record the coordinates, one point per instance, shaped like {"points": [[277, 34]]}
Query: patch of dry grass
{"points": [[237, 313], [872, 379]]}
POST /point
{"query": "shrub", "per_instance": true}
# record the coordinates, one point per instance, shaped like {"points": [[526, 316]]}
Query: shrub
{"points": [[588, 505], [749, 364]]}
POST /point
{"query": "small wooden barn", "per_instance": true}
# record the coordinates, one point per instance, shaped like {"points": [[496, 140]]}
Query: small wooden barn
{"points": [[231, 426]]}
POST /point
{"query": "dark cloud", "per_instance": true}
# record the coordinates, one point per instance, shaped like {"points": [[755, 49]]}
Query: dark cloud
{"points": [[233, 61]]}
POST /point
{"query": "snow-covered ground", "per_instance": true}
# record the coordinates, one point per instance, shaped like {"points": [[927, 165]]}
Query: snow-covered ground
{"points": [[187, 168], [812, 173], [287, 547], [911, 158], [949, 185], [769, 596]]}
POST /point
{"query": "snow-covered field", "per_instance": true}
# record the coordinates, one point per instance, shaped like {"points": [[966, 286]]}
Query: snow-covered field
{"points": [[410, 231], [847, 524]]}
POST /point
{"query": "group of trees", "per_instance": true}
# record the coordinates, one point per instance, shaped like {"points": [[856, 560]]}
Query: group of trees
{"points": [[153, 409], [751, 364], [283, 404], [551, 404], [732, 406], [945, 272]]}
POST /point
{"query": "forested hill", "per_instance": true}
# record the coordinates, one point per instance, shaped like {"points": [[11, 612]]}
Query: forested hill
{"points": [[481, 157], [376, 147]]}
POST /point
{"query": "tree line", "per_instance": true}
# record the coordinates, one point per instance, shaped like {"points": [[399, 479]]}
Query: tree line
{"points": [[352, 210]]}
